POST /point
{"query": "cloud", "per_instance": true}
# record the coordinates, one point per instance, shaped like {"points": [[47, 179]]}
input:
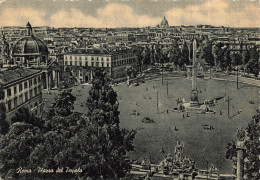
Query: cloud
{"points": [[16, 17], [1, 1], [112, 15], [214, 12]]}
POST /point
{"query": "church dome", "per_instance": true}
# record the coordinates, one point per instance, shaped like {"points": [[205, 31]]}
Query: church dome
{"points": [[164, 22], [29, 45]]}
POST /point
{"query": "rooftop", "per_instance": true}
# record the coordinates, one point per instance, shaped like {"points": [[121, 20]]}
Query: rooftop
{"points": [[94, 51], [11, 75]]}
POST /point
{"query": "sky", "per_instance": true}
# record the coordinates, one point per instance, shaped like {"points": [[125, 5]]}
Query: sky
{"points": [[129, 13]]}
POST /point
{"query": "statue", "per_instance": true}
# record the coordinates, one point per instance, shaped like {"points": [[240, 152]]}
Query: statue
{"points": [[6, 48], [178, 152], [241, 134]]}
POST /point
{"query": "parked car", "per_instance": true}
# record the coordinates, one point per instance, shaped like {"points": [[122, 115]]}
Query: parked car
{"points": [[207, 126], [147, 120], [134, 112]]}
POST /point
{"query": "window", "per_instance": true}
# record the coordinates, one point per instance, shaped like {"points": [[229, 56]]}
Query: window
{"points": [[15, 90], [97, 64], [86, 63], [92, 58], [70, 57], [70, 63], [66, 62], [30, 83], [15, 102], [20, 87], [9, 93], [39, 79], [31, 93], [9, 104], [102, 64], [76, 63], [35, 91], [25, 85], [39, 89], [97, 59], [80, 63], [92, 64], [101, 59], [34, 81], [21, 99], [107, 64]]}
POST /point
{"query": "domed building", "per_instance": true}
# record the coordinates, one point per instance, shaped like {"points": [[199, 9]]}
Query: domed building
{"points": [[164, 23], [30, 51]]}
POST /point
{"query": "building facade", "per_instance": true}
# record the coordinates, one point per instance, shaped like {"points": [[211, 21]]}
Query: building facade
{"points": [[22, 88], [83, 62]]}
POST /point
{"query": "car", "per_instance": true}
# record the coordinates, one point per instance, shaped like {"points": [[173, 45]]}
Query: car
{"points": [[251, 102], [207, 127], [134, 112], [147, 120]]}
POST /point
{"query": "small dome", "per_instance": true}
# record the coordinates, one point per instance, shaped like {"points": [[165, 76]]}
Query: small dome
{"points": [[29, 44]]}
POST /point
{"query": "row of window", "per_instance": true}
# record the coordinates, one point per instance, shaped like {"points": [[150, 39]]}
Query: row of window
{"points": [[23, 85], [93, 64], [97, 58], [17, 101], [100, 64], [122, 62], [85, 58]]}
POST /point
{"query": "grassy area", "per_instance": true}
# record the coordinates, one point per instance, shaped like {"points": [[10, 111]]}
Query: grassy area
{"points": [[199, 144]]}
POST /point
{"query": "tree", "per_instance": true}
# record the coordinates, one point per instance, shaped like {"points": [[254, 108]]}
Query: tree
{"points": [[64, 103], [24, 115], [217, 53], [226, 63], [130, 71], [207, 54], [236, 59], [252, 65], [245, 58], [175, 53], [252, 144], [4, 126], [138, 51], [93, 143], [184, 55], [146, 57], [110, 142]]}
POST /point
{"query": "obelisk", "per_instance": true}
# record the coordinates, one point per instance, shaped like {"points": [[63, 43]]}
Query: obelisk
{"points": [[194, 92]]}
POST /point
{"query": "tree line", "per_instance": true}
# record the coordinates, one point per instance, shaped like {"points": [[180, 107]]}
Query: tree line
{"points": [[62, 138], [218, 55]]}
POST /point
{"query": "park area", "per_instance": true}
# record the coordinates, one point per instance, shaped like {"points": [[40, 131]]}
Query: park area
{"points": [[159, 138]]}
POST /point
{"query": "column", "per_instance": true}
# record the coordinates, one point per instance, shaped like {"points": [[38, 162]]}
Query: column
{"points": [[58, 78], [55, 79], [240, 147], [47, 80], [240, 164]]}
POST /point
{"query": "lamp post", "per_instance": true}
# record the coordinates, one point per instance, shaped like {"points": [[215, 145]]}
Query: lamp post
{"points": [[237, 77]]}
